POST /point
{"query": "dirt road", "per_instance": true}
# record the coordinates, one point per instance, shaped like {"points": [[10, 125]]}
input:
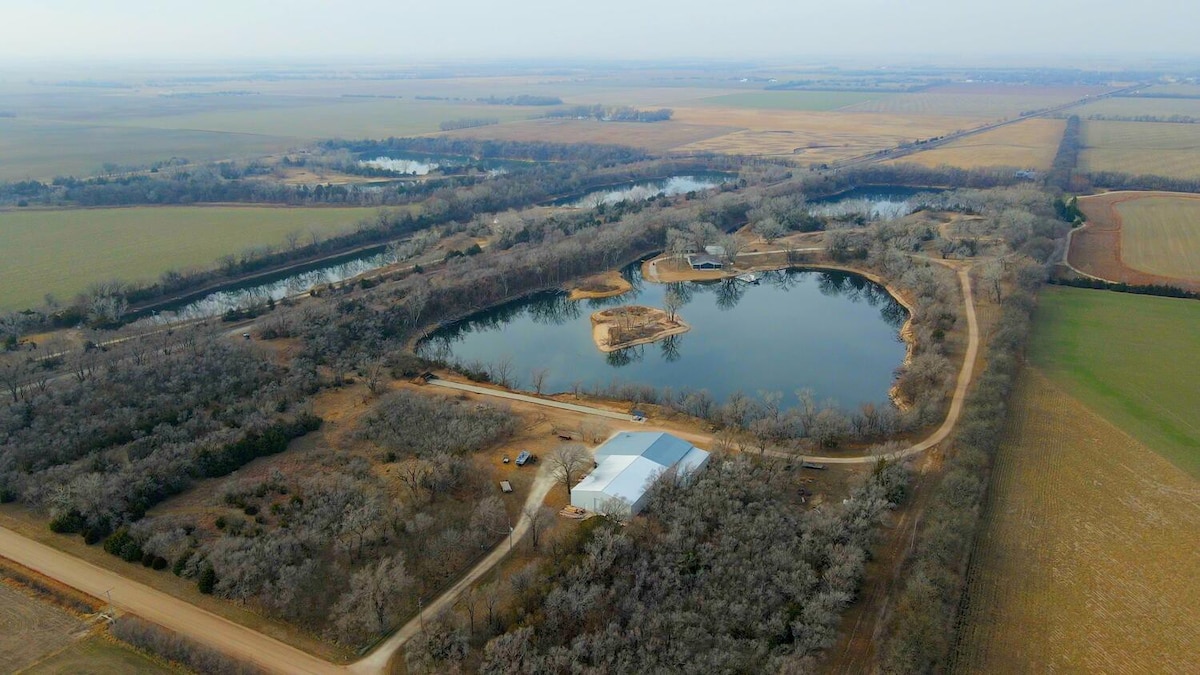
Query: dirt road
{"points": [[161, 608], [549, 403], [377, 661]]}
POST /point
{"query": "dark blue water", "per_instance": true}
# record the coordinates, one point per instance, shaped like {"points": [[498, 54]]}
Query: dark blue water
{"points": [[832, 332]]}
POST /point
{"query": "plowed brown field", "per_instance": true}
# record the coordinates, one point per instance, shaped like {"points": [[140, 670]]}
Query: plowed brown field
{"points": [[1087, 561]]}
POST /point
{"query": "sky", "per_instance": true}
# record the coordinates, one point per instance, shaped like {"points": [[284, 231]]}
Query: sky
{"points": [[219, 30]]}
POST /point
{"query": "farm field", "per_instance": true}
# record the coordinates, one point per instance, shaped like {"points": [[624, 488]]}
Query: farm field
{"points": [[1085, 562], [1161, 235], [99, 655], [30, 628], [1131, 106], [44, 149], [792, 100], [1159, 148], [656, 137], [988, 102], [811, 137], [1030, 144], [139, 243], [1132, 359], [1097, 249], [340, 118]]}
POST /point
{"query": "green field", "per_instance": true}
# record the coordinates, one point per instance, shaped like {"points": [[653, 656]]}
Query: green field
{"points": [[1133, 359], [792, 100], [1158, 148], [98, 655], [63, 251], [1161, 235]]}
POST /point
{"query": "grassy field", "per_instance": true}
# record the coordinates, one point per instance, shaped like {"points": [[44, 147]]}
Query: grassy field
{"points": [[1030, 144], [1141, 148], [63, 251], [1161, 235], [980, 101], [30, 628], [44, 149], [1132, 359], [792, 100], [99, 655], [1084, 562]]}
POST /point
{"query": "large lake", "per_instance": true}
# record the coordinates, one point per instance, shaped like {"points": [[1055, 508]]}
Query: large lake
{"points": [[832, 332]]}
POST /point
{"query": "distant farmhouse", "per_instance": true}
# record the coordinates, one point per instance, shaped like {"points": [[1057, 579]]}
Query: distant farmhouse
{"points": [[628, 464], [704, 261]]}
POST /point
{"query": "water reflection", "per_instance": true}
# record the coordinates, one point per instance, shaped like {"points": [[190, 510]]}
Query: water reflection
{"points": [[675, 185], [829, 331]]}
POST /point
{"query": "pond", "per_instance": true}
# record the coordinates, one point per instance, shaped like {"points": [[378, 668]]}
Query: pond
{"points": [[832, 332], [873, 202], [642, 190], [422, 164]]}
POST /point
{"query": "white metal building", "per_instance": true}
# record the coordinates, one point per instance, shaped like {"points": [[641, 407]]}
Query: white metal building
{"points": [[627, 464]]}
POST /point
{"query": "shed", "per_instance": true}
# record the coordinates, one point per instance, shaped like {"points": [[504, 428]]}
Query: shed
{"points": [[505, 486]]}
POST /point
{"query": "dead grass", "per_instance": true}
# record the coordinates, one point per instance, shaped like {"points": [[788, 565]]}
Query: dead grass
{"points": [[984, 101], [1161, 235], [1161, 149], [812, 137], [30, 628], [1030, 144], [1087, 559], [657, 136], [605, 285]]}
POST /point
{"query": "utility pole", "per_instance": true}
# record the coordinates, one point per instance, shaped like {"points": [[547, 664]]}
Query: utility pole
{"points": [[511, 529], [421, 613]]}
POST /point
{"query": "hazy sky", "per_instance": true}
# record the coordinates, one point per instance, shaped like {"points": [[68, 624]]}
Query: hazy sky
{"points": [[225, 29]]}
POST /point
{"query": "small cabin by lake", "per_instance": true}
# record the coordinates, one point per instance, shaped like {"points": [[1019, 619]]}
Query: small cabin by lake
{"points": [[703, 261]]}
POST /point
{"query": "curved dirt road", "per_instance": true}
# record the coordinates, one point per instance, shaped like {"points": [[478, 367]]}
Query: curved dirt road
{"points": [[965, 374]]}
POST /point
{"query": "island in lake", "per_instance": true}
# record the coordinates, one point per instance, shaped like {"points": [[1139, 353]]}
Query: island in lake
{"points": [[621, 327], [606, 285]]}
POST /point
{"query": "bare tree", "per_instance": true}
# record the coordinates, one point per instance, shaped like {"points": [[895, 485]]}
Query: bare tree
{"points": [[414, 474], [375, 371], [540, 518], [538, 378], [501, 372], [568, 461], [672, 301], [371, 604]]}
